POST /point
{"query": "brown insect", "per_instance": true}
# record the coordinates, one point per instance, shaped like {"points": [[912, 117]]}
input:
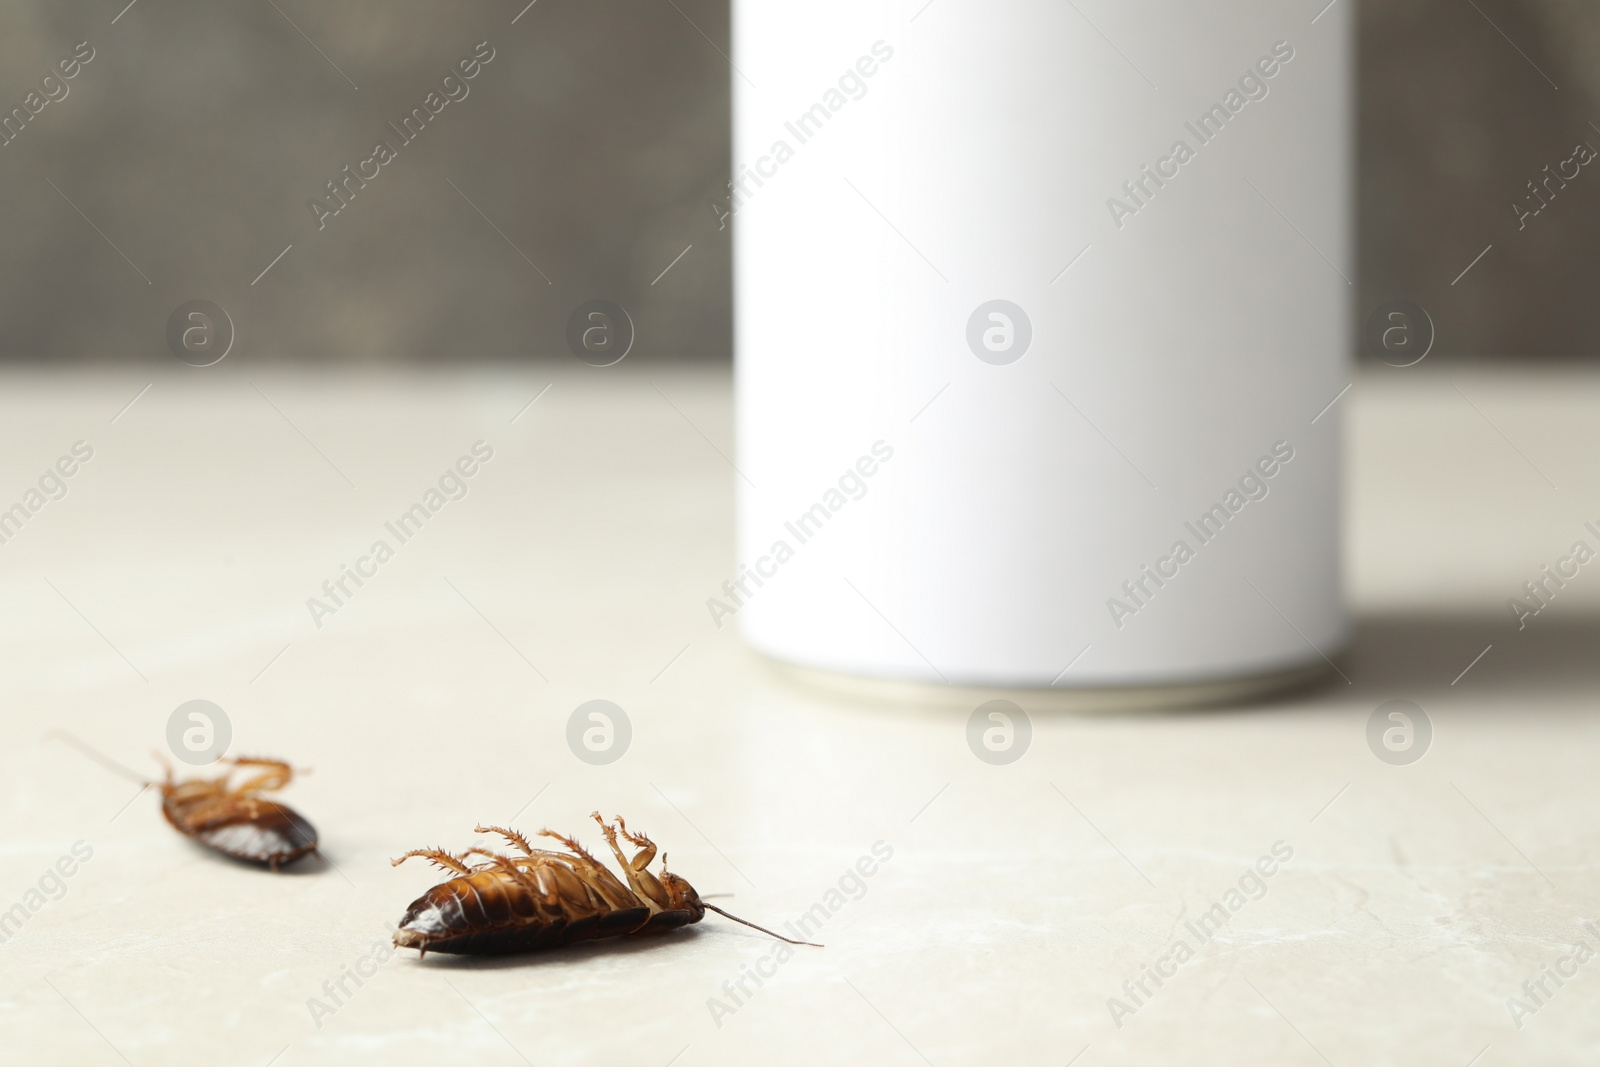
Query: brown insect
{"points": [[541, 899], [237, 821]]}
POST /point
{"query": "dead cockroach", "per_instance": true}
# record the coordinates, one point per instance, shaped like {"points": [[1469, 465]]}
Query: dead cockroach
{"points": [[238, 822], [542, 899]]}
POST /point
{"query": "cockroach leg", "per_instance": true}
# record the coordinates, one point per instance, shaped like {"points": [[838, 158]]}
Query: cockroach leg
{"points": [[438, 857], [647, 848], [510, 835], [590, 872], [610, 833], [278, 775], [202, 814], [580, 857], [629, 870], [517, 874]]}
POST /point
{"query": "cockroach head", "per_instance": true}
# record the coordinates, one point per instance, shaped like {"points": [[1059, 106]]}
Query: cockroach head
{"points": [[682, 895]]}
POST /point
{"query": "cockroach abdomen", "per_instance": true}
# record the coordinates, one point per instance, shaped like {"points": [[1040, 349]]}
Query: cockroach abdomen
{"points": [[275, 836]]}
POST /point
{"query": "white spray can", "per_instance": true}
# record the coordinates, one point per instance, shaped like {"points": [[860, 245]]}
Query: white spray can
{"points": [[1040, 311]]}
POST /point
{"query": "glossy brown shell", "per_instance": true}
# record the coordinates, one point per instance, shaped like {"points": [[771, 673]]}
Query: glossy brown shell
{"points": [[240, 822], [263, 832], [538, 898], [491, 912]]}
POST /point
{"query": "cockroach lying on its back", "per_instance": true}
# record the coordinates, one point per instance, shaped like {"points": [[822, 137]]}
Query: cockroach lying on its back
{"points": [[542, 899], [238, 822]]}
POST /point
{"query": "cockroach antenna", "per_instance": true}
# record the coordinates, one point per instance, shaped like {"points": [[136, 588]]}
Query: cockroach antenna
{"points": [[105, 761], [753, 926]]}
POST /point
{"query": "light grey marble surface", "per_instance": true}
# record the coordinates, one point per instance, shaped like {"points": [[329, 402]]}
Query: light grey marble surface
{"points": [[1018, 900]]}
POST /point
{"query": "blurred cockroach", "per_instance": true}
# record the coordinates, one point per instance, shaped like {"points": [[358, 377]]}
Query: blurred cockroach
{"points": [[238, 822], [542, 899]]}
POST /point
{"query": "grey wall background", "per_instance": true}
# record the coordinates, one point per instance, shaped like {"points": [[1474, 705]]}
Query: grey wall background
{"points": [[1463, 102], [593, 140], [594, 143]]}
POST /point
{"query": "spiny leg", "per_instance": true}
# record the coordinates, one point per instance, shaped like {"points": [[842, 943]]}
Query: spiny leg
{"points": [[438, 857], [259, 761], [577, 884], [518, 875], [207, 813], [542, 857], [629, 871], [277, 775], [610, 833], [579, 853], [193, 791], [212, 807], [647, 847], [510, 835], [594, 872]]}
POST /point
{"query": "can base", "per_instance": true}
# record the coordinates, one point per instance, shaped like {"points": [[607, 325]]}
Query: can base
{"points": [[1079, 700]]}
